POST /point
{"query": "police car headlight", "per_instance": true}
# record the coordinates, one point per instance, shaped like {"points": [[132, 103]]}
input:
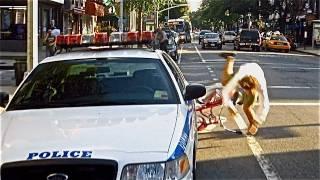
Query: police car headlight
{"points": [[171, 170], [177, 169], [153, 171]]}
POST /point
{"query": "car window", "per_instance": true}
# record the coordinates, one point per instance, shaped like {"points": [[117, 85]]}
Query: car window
{"points": [[203, 32], [278, 38], [94, 82], [211, 35], [249, 34], [176, 72], [230, 33]]}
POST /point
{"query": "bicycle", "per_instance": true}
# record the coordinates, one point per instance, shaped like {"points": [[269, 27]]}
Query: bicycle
{"points": [[205, 120]]}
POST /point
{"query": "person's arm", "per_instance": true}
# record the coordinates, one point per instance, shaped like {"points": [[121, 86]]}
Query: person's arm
{"points": [[45, 39], [248, 107]]}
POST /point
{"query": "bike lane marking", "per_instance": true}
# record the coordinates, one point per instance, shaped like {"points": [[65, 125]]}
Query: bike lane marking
{"points": [[266, 165], [202, 59]]}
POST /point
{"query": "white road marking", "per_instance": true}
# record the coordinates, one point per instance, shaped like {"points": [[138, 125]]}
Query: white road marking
{"points": [[199, 54], [266, 166], [300, 68], [247, 52], [292, 87], [294, 104], [223, 60], [179, 59]]}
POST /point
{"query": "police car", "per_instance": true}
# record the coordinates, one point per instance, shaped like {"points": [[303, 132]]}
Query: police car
{"points": [[121, 114]]}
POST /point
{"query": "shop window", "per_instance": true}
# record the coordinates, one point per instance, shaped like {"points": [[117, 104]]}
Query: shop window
{"points": [[13, 23]]}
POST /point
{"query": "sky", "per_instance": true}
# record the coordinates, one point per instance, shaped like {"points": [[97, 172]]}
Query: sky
{"points": [[194, 4]]}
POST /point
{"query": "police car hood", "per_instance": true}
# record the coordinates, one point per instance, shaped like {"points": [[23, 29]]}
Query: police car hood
{"points": [[143, 128]]}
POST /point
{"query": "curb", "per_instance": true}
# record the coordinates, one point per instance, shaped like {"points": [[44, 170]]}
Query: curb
{"points": [[305, 52]]}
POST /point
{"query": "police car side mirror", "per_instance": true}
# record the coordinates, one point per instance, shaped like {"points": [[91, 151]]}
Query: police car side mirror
{"points": [[194, 91], [4, 99]]}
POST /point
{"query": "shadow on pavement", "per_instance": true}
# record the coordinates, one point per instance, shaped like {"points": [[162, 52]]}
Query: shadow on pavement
{"points": [[291, 165]]}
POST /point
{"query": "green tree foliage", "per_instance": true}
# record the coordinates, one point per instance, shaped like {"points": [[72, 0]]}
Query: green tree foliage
{"points": [[174, 13], [212, 13]]}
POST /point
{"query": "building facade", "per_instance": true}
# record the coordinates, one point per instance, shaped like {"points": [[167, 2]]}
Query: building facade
{"points": [[13, 25]]}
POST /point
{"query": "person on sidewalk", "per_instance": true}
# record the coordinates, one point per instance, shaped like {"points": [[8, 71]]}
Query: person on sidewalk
{"points": [[245, 87], [50, 41]]}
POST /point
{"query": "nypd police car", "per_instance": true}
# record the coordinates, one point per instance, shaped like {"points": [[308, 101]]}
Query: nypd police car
{"points": [[106, 114]]}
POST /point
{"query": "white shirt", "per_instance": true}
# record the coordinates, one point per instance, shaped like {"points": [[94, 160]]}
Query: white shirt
{"points": [[250, 69]]}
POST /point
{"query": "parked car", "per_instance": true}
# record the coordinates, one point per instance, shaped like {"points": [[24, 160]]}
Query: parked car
{"points": [[211, 40], [292, 42], [228, 37], [248, 38], [202, 34], [277, 42], [97, 114]]}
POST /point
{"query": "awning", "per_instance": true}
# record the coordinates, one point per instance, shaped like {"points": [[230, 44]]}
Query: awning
{"points": [[94, 9]]}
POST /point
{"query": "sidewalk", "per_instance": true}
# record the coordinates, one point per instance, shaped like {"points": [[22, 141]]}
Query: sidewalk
{"points": [[309, 50], [8, 89], [7, 60]]}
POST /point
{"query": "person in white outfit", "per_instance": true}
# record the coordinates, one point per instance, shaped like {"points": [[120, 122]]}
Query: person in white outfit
{"points": [[251, 82]]}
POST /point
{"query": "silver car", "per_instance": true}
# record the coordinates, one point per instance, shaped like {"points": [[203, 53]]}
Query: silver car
{"points": [[211, 40]]}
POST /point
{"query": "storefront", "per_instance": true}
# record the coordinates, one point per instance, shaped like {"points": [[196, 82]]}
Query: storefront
{"points": [[50, 14], [316, 33], [13, 26]]}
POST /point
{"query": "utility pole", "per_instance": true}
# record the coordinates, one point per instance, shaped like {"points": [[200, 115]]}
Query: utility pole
{"points": [[32, 34], [121, 16]]}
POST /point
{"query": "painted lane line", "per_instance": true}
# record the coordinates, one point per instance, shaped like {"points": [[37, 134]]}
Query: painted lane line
{"points": [[199, 54], [180, 52], [292, 87], [266, 166], [219, 60], [294, 104], [251, 53]]}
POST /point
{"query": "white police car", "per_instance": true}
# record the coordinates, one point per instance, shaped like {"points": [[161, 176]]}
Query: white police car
{"points": [[111, 114]]}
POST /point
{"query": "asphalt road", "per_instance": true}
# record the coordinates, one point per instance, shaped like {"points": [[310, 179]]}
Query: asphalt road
{"points": [[287, 146]]}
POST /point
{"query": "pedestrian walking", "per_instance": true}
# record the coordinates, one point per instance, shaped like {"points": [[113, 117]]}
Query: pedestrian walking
{"points": [[50, 42]]}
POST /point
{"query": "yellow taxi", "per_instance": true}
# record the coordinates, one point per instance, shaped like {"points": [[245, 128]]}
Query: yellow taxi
{"points": [[277, 42]]}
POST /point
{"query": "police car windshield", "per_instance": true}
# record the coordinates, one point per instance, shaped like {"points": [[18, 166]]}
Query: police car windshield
{"points": [[96, 82]]}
